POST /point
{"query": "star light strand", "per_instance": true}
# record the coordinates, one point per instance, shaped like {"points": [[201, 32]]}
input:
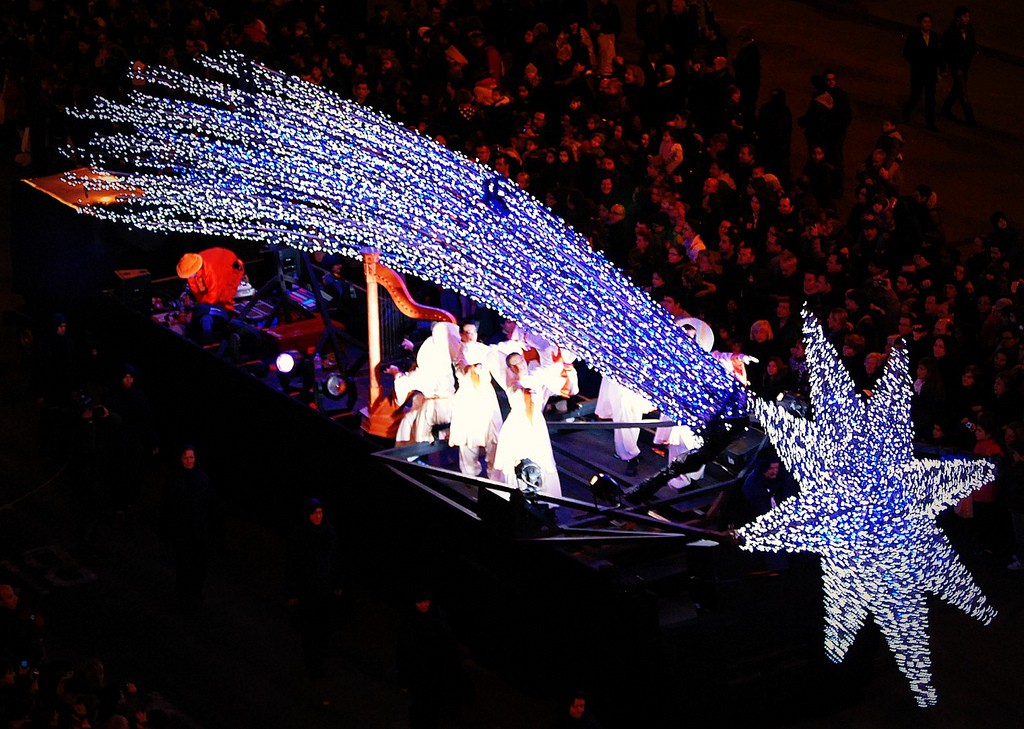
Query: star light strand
{"points": [[868, 508], [257, 155]]}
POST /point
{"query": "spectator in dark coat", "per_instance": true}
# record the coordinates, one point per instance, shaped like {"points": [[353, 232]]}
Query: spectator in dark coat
{"points": [[922, 51], [576, 714], [766, 486], [137, 437], [774, 132], [958, 49], [189, 507], [315, 582], [841, 118], [428, 664], [817, 120], [746, 67]]}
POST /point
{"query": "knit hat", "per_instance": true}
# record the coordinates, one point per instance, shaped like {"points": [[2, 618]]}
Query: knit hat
{"points": [[189, 265], [312, 505]]}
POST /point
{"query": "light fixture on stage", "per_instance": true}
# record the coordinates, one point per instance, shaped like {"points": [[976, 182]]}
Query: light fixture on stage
{"points": [[529, 477], [335, 386], [291, 365], [287, 362], [606, 491], [338, 387]]}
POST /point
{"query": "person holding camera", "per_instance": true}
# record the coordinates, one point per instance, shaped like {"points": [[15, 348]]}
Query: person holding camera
{"points": [[94, 454]]}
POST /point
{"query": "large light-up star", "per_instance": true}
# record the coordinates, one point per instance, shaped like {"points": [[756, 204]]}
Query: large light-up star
{"points": [[868, 507]]}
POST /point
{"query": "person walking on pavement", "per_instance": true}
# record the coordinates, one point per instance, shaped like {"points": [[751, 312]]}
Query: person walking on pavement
{"points": [[924, 54], [958, 50]]}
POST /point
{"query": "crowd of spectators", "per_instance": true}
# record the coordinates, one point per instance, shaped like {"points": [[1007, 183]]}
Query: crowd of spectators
{"points": [[36, 690], [94, 416]]}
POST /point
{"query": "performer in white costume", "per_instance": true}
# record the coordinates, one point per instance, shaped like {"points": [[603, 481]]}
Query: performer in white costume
{"points": [[621, 405], [524, 435], [431, 385], [476, 417], [680, 439]]}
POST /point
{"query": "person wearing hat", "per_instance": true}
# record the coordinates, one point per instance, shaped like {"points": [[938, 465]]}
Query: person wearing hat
{"points": [[213, 276], [314, 582], [137, 436]]}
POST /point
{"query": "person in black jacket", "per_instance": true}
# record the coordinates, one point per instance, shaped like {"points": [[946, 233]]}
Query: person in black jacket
{"points": [[137, 440], [429, 665], [314, 583], [187, 519], [924, 54], [958, 50]]}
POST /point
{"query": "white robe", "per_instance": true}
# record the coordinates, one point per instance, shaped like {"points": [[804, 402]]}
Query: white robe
{"points": [[476, 416], [434, 380], [525, 431], [621, 405], [680, 439]]}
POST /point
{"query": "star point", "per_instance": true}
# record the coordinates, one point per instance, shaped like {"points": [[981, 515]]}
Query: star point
{"points": [[867, 506]]}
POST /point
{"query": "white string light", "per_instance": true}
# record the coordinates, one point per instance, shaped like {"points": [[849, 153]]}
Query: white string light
{"points": [[868, 507]]}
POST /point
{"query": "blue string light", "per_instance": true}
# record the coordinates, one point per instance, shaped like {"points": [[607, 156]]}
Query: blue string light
{"points": [[868, 507], [247, 152]]}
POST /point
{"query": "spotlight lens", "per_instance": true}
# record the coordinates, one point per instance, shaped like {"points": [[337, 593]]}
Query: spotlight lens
{"points": [[336, 386], [286, 362]]}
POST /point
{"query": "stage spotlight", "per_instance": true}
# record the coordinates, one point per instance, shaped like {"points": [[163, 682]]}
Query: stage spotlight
{"points": [[335, 386], [288, 361], [338, 387], [606, 491], [292, 366], [529, 477]]}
